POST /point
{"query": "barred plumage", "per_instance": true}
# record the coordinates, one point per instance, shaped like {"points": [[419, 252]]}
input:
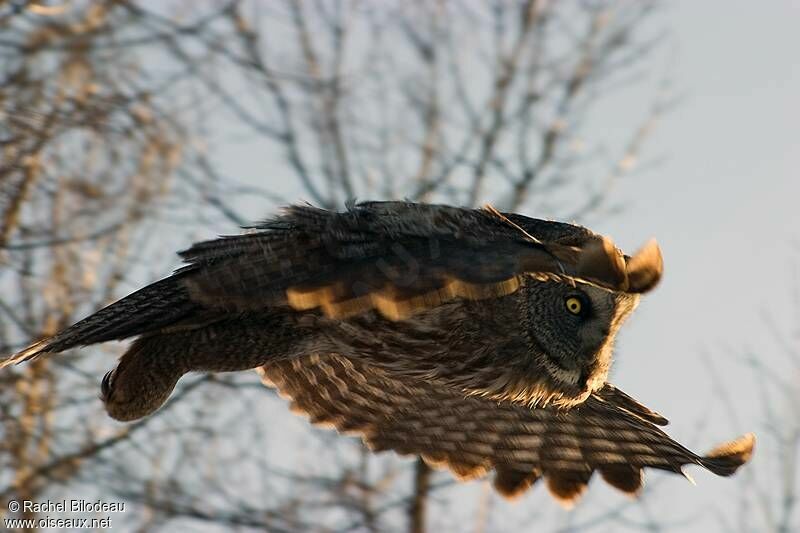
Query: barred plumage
{"points": [[610, 432], [479, 340]]}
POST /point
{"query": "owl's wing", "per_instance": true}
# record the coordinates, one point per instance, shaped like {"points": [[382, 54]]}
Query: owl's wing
{"points": [[398, 257], [610, 433]]}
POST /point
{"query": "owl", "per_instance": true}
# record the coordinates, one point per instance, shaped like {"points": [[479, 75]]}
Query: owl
{"points": [[478, 340]]}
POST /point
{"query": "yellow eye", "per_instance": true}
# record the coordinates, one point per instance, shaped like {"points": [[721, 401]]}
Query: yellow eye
{"points": [[574, 305]]}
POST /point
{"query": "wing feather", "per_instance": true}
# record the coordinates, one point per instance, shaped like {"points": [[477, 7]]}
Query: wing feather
{"points": [[472, 436], [394, 257], [398, 257], [157, 305]]}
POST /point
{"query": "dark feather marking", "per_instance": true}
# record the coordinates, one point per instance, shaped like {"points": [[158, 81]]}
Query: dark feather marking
{"points": [[469, 435]]}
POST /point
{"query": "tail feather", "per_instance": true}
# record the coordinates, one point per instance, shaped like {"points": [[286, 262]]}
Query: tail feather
{"points": [[152, 307]]}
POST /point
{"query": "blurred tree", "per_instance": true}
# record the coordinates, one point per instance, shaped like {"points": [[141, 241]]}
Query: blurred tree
{"points": [[84, 160], [115, 119], [769, 492]]}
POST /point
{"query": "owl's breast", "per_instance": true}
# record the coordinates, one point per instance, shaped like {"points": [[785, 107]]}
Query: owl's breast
{"points": [[477, 348]]}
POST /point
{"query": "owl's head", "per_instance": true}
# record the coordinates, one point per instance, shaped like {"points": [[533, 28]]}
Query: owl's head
{"points": [[571, 329]]}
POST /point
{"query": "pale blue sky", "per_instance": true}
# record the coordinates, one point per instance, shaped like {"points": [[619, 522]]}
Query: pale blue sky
{"points": [[724, 207], [724, 204]]}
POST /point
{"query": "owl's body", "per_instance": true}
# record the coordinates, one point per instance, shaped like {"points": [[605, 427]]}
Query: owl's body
{"points": [[475, 339], [501, 348]]}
